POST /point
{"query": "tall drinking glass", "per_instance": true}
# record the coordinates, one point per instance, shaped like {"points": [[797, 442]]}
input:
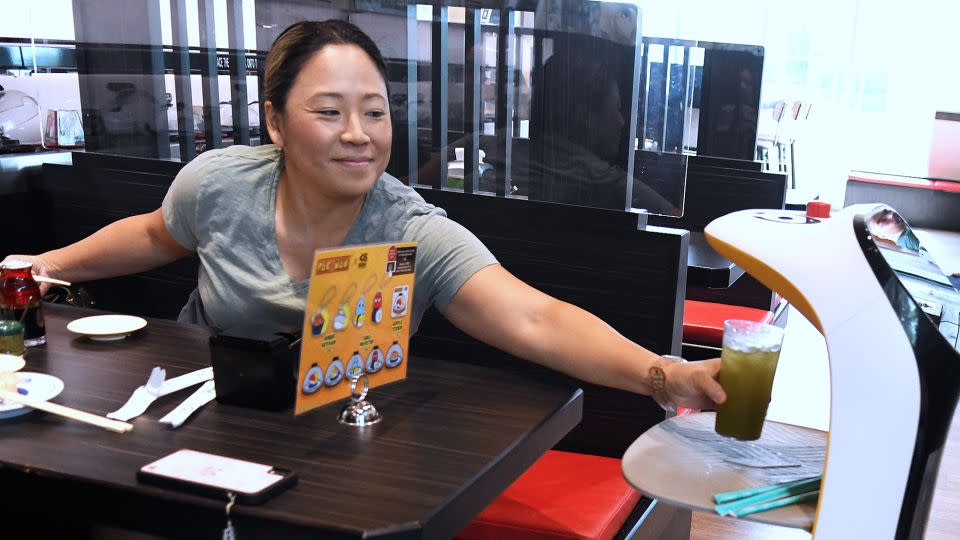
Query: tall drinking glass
{"points": [[748, 363]]}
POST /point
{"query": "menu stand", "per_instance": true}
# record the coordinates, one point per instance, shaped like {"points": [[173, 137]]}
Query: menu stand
{"points": [[358, 411]]}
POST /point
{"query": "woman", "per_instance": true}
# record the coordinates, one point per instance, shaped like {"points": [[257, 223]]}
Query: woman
{"points": [[255, 216]]}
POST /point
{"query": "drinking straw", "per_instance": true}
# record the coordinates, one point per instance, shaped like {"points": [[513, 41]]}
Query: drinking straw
{"points": [[786, 490], [770, 505], [727, 496]]}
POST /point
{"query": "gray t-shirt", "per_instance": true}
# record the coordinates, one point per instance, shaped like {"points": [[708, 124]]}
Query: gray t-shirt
{"points": [[223, 206]]}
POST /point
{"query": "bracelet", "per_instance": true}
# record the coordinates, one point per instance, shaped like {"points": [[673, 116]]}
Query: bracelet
{"points": [[658, 383]]}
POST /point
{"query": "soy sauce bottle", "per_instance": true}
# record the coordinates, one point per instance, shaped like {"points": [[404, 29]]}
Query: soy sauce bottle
{"points": [[20, 300]]}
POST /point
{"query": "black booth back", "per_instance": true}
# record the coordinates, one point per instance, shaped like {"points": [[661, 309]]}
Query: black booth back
{"points": [[634, 280], [597, 259], [716, 187], [96, 191]]}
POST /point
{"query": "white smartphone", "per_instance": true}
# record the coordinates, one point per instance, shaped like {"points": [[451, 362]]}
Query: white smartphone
{"points": [[210, 474]]}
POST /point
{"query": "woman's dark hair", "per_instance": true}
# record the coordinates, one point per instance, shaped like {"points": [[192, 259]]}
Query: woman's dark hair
{"points": [[295, 45]]}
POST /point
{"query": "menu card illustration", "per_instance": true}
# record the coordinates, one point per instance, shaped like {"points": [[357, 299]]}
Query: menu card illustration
{"points": [[345, 332]]}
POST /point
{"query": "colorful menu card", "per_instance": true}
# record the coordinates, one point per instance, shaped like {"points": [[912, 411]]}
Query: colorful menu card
{"points": [[357, 320]]}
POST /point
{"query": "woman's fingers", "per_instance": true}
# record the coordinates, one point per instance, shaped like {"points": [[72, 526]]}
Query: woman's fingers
{"points": [[712, 388], [32, 259], [695, 385], [39, 268]]}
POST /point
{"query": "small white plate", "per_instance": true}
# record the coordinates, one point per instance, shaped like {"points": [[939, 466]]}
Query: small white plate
{"points": [[107, 327], [38, 386], [10, 362]]}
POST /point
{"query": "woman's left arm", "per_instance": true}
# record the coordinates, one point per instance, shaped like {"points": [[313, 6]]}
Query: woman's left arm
{"points": [[499, 309]]}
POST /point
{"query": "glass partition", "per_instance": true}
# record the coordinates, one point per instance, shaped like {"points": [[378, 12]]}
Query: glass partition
{"points": [[552, 100]]}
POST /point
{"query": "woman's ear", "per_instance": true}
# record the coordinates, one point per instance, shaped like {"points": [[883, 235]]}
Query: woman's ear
{"points": [[274, 119]]}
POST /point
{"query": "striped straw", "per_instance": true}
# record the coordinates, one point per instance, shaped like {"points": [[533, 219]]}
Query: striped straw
{"points": [[727, 496], [776, 492], [778, 503]]}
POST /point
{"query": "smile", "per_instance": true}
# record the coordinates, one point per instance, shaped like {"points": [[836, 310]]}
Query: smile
{"points": [[354, 163]]}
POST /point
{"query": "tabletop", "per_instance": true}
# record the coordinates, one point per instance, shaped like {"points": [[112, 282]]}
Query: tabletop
{"points": [[453, 437]]}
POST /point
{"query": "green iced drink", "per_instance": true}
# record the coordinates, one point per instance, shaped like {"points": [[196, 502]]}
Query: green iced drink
{"points": [[748, 364]]}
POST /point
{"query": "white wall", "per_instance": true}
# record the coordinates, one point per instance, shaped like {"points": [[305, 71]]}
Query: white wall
{"points": [[875, 72], [40, 19]]}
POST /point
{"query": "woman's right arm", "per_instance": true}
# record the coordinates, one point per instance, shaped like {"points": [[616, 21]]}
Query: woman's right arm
{"points": [[128, 246]]}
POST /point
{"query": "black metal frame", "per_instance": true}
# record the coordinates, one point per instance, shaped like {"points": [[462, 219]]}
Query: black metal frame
{"points": [[440, 117], [503, 124], [238, 72], [181, 69], [208, 74]]}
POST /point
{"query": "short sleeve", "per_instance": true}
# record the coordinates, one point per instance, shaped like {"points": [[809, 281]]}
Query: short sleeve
{"points": [[181, 202], [447, 256]]}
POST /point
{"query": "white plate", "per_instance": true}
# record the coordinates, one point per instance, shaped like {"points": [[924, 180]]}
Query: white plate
{"points": [[107, 327], [9, 362], [38, 386]]}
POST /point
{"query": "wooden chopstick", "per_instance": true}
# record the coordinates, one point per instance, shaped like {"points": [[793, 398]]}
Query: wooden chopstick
{"points": [[55, 281], [75, 414]]}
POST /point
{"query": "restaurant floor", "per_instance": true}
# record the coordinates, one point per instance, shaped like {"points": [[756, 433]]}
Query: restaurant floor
{"points": [[712, 527]]}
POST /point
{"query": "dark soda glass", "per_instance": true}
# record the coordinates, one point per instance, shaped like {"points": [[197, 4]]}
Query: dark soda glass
{"points": [[20, 300]]}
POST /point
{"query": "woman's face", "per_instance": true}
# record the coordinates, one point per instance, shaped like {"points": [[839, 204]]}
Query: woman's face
{"points": [[885, 225], [336, 129]]}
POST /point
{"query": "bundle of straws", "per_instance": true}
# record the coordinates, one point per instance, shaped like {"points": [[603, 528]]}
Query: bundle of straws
{"points": [[748, 501]]}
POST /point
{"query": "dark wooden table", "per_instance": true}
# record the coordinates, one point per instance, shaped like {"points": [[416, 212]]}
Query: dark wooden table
{"points": [[706, 267], [453, 437]]}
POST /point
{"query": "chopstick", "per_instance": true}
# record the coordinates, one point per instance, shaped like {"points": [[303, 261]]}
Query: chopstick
{"points": [[75, 414], [55, 281]]}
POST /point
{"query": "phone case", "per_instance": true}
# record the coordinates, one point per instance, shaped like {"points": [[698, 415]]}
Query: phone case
{"points": [[211, 475]]}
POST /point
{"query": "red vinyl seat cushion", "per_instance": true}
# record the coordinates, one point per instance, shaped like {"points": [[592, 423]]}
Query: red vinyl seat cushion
{"points": [[703, 321], [562, 496]]}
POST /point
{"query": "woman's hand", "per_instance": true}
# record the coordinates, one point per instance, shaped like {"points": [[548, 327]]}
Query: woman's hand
{"points": [[41, 267], [694, 384]]}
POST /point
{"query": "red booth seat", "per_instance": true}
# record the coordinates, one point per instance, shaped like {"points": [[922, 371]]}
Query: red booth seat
{"points": [[563, 496], [703, 321]]}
